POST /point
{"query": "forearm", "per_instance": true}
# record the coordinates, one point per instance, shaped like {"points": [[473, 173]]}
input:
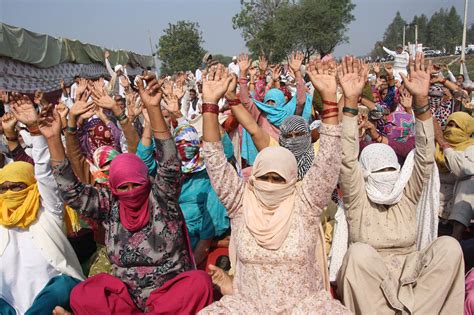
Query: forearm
{"points": [[367, 103], [300, 94], [130, 134], [260, 138], [56, 150]]}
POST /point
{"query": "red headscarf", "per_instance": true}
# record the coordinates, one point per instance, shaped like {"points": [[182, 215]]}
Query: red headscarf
{"points": [[129, 168]]}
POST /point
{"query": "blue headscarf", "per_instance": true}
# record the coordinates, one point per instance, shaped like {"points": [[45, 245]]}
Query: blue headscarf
{"points": [[275, 114]]}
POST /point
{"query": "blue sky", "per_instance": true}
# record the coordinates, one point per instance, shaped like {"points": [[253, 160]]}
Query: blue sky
{"points": [[127, 24]]}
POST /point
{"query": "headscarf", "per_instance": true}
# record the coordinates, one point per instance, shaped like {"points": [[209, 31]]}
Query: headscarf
{"points": [[19, 208], [400, 126], [268, 207], [101, 163], [300, 146], [134, 212], [97, 135], [459, 138], [275, 114], [384, 187], [190, 150]]}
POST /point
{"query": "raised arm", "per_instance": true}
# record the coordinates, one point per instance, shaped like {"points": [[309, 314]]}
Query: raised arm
{"points": [[244, 64], [418, 83], [352, 75], [146, 146], [107, 63], [23, 110], [294, 61], [260, 137], [225, 181], [85, 199], [388, 51]]}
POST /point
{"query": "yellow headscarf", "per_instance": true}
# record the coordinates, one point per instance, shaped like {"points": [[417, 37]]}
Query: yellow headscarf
{"points": [[19, 208], [458, 138]]}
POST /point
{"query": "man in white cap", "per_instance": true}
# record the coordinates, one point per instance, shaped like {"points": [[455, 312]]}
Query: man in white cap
{"points": [[401, 61], [234, 67], [119, 81]]}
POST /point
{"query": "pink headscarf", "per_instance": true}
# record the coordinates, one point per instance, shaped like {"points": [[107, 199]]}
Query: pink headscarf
{"points": [[129, 168]]}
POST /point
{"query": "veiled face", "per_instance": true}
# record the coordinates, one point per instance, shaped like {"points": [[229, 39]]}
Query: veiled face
{"points": [[272, 177], [13, 186]]}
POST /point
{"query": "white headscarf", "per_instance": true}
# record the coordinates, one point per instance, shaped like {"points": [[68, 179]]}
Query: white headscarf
{"points": [[384, 187]]}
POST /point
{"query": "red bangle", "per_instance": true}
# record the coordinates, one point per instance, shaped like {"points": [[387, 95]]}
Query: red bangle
{"points": [[329, 103], [233, 102], [243, 80], [330, 110], [332, 116], [210, 108]]}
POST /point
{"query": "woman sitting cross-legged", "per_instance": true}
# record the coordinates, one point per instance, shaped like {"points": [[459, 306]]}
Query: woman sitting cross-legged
{"points": [[274, 219], [38, 266], [382, 271], [146, 236]]}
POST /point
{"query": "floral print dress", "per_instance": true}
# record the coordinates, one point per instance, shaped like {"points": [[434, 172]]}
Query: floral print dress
{"points": [[146, 259], [287, 280]]}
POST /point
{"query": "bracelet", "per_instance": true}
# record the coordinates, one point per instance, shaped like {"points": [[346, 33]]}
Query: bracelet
{"points": [[160, 131], [34, 131], [421, 109], [243, 80], [329, 103], [352, 111], [57, 161], [71, 129], [121, 117], [13, 139], [233, 102], [330, 110], [210, 108], [332, 116]]}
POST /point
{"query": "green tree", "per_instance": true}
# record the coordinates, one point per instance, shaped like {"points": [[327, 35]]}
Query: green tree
{"points": [[422, 23], [453, 27], [276, 27], [314, 26], [257, 22], [179, 49], [437, 33], [392, 37], [470, 35]]}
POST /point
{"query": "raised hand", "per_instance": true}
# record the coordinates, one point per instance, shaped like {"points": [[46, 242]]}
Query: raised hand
{"points": [[276, 72], [124, 82], [352, 75], [388, 69], [49, 122], [172, 103], [151, 95], [295, 60], [418, 81], [39, 98], [101, 98], [216, 84], [244, 64], [23, 109], [9, 123], [81, 90], [262, 64], [376, 67], [406, 100], [231, 90], [323, 77], [106, 54], [62, 110], [79, 108]]}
